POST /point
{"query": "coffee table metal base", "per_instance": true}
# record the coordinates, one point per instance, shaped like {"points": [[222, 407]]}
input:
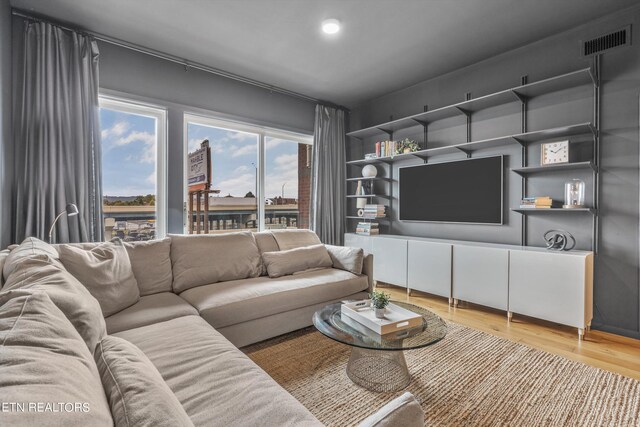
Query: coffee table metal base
{"points": [[375, 370]]}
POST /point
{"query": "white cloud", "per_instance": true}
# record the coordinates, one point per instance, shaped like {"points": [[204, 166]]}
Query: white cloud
{"points": [[152, 178], [244, 150], [274, 142], [148, 154], [237, 186], [240, 136], [241, 169], [118, 129], [286, 161]]}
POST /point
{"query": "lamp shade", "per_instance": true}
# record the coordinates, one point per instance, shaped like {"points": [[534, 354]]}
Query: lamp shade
{"points": [[71, 209]]}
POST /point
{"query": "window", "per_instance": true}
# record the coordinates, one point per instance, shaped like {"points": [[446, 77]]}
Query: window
{"points": [[261, 176], [133, 169]]}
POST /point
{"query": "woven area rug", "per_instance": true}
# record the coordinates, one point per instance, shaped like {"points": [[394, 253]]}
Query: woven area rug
{"points": [[468, 379]]}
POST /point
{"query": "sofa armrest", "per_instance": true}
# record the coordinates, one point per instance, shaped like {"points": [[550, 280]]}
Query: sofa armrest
{"points": [[402, 411], [367, 269]]}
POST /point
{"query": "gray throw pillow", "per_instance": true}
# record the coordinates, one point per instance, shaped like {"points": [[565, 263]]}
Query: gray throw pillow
{"points": [[137, 394], [348, 259], [43, 360], [106, 272], [151, 265], [296, 260]]}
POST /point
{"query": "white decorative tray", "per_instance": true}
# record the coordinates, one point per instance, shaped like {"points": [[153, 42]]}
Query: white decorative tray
{"points": [[395, 318]]}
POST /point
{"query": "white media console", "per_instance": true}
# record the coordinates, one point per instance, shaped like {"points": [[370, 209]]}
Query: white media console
{"points": [[550, 285]]}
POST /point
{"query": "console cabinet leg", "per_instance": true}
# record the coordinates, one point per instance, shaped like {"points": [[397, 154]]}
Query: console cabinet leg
{"points": [[580, 334], [408, 292], [588, 328], [509, 316], [450, 302], [455, 302]]}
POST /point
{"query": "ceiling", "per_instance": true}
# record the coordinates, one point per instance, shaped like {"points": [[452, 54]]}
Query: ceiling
{"points": [[384, 45]]}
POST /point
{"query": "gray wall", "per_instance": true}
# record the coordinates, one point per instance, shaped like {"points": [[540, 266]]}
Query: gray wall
{"points": [[145, 77], [617, 304], [5, 123]]}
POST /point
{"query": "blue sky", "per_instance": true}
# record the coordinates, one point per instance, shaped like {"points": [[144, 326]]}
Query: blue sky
{"points": [[129, 158]]}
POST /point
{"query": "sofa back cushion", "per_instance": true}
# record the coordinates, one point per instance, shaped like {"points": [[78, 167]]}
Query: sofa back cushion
{"points": [[29, 247], [291, 239], [105, 271], [151, 265], [3, 258], [266, 243], [42, 273], [292, 261], [204, 259], [46, 362], [135, 389]]}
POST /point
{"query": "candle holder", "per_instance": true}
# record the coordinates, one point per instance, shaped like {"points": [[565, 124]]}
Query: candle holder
{"points": [[574, 194]]}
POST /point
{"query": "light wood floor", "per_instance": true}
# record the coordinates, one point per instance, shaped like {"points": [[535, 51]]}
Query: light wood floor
{"points": [[600, 349]]}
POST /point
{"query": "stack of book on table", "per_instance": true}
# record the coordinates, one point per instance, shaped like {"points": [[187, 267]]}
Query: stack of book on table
{"points": [[367, 228], [374, 211], [544, 202]]}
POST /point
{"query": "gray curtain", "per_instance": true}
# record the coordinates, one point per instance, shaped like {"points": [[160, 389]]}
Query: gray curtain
{"points": [[328, 173], [57, 138]]}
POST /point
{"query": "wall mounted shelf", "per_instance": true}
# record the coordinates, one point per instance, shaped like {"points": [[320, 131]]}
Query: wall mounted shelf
{"points": [[550, 168], [464, 108], [364, 178], [468, 147], [554, 210], [367, 219], [368, 196]]}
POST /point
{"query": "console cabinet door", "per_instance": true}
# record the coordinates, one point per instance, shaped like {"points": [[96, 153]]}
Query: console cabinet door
{"points": [[481, 275], [389, 260], [429, 267], [356, 241], [551, 286]]}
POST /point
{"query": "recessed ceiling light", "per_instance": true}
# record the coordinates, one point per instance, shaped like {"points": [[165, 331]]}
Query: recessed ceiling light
{"points": [[330, 26]]}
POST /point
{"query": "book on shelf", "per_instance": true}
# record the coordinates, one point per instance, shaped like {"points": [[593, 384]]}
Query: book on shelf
{"points": [[372, 211], [367, 228], [543, 202]]}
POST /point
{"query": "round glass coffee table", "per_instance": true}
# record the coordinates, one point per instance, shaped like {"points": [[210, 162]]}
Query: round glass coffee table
{"points": [[377, 362]]}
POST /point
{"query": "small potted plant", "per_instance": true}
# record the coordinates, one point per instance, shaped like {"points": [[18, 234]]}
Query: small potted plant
{"points": [[379, 301], [407, 146]]}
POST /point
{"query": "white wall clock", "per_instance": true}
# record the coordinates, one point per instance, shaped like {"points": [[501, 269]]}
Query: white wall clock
{"points": [[554, 153]]}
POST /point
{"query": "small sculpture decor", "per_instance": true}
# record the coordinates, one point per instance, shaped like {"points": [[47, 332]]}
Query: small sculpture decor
{"points": [[369, 171], [574, 194], [559, 240], [379, 301]]}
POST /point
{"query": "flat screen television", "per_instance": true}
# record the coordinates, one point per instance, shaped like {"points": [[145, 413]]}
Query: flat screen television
{"points": [[464, 191]]}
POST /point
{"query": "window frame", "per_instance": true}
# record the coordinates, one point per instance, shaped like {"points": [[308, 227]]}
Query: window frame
{"points": [[158, 113], [263, 132]]}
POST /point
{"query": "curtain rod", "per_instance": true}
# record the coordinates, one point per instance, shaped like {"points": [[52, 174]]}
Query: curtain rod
{"points": [[167, 57]]}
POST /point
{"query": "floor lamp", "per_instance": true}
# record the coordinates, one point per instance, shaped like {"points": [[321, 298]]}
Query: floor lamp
{"points": [[70, 210]]}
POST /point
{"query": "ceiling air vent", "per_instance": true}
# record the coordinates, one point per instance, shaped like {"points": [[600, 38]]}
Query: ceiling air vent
{"points": [[609, 41]]}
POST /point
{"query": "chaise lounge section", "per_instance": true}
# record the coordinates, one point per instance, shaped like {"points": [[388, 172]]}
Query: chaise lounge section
{"points": [[189, 330]]}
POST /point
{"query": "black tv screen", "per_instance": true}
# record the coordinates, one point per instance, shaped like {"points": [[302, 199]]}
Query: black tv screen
{"points": [[465, 191]]}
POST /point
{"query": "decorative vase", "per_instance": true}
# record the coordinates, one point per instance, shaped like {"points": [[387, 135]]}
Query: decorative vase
{"points": [[574, 194], [369, 171], [380, 313]]}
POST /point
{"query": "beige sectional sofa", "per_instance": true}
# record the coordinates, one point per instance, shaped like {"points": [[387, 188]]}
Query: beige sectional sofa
{"points": [[197, 299]]}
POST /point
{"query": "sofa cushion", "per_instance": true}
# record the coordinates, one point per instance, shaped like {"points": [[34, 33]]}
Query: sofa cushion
{"points": [[3, 258], [29, 247], [291, 239], [105, 271], [137, 394], [150, 309], [42, 273], [345, 258], [213, 380], [203, 259], [229, 303], [266, 243], [403, 411], [151, 265], [45, 362], [296, 260]]}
